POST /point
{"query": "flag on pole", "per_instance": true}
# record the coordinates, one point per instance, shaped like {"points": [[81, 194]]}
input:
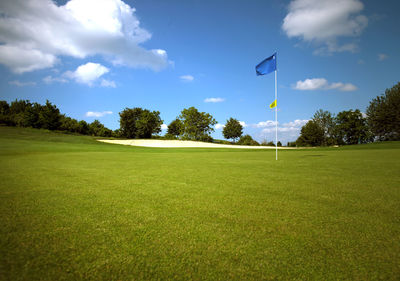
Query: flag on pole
{"points": [[266, 66]]}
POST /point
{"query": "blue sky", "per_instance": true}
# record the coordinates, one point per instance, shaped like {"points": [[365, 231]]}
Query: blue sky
{"points": [[94, 58]]}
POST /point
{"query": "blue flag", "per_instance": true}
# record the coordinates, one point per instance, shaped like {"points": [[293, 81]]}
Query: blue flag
{"points": [[266, 66]]}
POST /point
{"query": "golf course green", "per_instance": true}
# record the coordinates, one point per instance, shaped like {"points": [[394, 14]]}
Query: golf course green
{"points": [[72, 208]]}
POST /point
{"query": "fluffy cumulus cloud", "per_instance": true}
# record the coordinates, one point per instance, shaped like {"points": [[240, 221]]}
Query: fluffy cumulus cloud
{"points": [[324, 22], [164, 127], [323, 84], [87, 73], [35, 34], [97, 114], [187, 78], [214, 100]]}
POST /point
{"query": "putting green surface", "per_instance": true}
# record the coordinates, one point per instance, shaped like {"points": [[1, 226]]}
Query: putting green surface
{"points": [[72, 208]]}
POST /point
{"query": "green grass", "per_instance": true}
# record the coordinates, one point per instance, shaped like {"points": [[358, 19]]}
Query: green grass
{"points": [[72, 208]]}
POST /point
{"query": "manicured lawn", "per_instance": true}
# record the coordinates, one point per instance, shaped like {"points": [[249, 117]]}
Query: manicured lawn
{"points": [[72, 208]]}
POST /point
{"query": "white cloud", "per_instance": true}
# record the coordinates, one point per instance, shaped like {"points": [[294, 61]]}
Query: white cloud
{"points": [[311, 84], [97, 114], [324, 21], [348, 87], [164, 127], [281, 129], [214, 100], [296, 123], [287, 132], [323, 84], [21, 60], [21, 84], [243, 124], [87, 73], [108, 83], [382, 57], [35, 34], [187, 78], [219, 126], [50, 79], [263, 124]]}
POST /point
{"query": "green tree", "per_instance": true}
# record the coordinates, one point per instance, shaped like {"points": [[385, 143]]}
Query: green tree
{"points": [[4, 107], [267, 143], [17, 111], [383, 115], [175, 128], [247, 140], [5, 113], [196, 125], [233, 129], [69, 124], [326, 121], [49, 117], [311, 134], [351, 127], [96, 128], [19, 106], [83, 127], [32, 116], [139, 123]]}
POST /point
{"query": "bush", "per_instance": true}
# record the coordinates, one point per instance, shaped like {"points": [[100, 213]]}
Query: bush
{"points": [[170, 137], [247, 140], [206, 138], [265, 143]]}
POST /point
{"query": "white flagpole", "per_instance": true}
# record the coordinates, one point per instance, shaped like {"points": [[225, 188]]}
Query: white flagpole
{"points": [[276, 117]]}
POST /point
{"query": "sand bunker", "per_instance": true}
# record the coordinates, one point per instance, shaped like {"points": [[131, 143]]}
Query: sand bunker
{"points": [[179, 143]]}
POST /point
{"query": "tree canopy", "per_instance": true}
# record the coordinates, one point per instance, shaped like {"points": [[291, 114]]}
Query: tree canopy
{"points": [[383, 115], [139, 123], [326, 121], [23, 113], [351, 127], [311, 134], [247, 140], [233, 129], [175, 128], [196, 125]]}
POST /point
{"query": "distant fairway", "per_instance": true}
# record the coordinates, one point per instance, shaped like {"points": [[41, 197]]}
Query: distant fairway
{"points": [[72, 208]]}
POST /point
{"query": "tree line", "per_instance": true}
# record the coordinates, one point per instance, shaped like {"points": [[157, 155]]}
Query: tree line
{"points": [[23, 113], [380, 123]]}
